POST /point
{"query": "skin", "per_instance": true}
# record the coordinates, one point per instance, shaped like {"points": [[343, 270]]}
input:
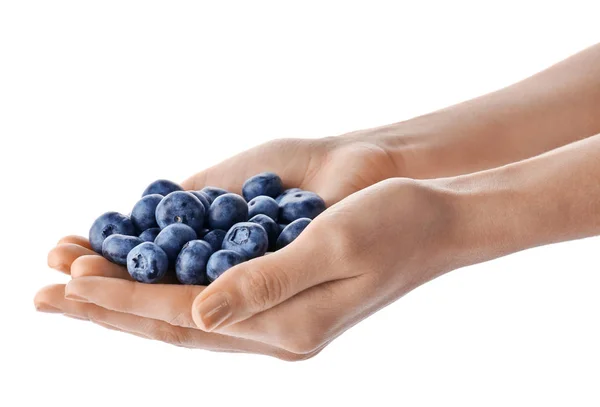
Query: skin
{"points": [[406, 203]]}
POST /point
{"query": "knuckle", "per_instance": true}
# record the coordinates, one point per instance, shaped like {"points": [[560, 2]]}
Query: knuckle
{"points": [[341, 241], [181, 319], [263, 288]]}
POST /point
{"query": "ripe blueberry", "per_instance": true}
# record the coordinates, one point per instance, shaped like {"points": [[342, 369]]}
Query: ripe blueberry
{"points": [[213, 192], [227, 210], [190, 267], [116, 247], [298, 205], [220, 262], [286, 193], [143, 214], [180, 207], [147, 263], [247, 238], [162, 187], [270, 227], [149, 235], [202, 197], [108, 224], [265, 183], [172, 238], [291, 232], [215, 238], [263, 205]]}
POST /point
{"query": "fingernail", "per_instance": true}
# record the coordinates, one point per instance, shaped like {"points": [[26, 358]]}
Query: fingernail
{"points": [[75, 317], [42, 307], [75, 297], [214, 310]]}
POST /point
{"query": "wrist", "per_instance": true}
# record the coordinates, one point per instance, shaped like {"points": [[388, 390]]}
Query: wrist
{"points": [[444, 143], [547, 199]]}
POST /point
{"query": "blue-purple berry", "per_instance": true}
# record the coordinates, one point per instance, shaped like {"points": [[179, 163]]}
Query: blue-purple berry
{"points": [[162, 187], [227, 210], [221, 261], [108, 224], [291, 232], [264, 205], [143, 214], [180, 207], [190, 267], [147, 263], [265, 183], [247, 238], [116, 247]]}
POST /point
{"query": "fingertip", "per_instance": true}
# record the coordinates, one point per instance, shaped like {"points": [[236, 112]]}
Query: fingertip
{"points": [[92, 265], [47, 295], [62, 256], [54, 260], [78, 240]]}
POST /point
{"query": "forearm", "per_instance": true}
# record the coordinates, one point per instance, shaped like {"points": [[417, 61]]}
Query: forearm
{"points": [[547, 199], [548, 110]]}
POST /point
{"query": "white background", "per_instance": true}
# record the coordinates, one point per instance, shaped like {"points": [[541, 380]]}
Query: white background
{"points": [[97, 99]]}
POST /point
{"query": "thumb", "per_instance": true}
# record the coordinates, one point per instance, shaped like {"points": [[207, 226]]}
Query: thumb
{"points": [[259, 284]]}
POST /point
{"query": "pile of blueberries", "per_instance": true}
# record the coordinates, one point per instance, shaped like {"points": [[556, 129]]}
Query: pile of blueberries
{"points": [[199, 235]]}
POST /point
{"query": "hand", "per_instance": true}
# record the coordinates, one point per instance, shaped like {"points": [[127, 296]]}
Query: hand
{"points": [[332, 167], [358, 256]]}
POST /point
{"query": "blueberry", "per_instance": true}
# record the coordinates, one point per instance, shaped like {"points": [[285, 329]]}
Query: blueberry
{"points": [[270, 227], [303, 204], [108, 224], [202, 233], [265, 205], [147, 263], [286, 193], [143, 214], [291, 232], [116, 247], [202, 197], [162, 187], [190, 266], [180, 207], [215, 238], [172, 238], [213, 192], [220, 262], [149, 235], [265, 183], [281, 227], [227, 210], [247, 238]]}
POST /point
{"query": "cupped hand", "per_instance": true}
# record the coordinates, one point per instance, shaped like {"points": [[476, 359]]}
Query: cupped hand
{"points": [[332, 167], [358, 256]]}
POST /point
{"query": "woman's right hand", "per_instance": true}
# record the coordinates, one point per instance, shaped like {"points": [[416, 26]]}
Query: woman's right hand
{"points": [[332, 167]]}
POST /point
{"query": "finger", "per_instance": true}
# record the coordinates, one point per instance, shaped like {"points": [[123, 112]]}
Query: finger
{"points": [[289, 158], [313, 318], [168, 303], [53, 297], [262, 283], [78, 240], [95, 265], [62, 256]]}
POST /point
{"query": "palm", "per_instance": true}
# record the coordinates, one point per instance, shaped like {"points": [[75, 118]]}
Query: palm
{"points": [[332, 167]]}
